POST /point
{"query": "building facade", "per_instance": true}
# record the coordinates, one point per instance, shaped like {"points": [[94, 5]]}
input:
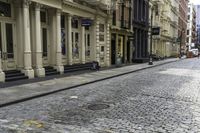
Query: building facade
{"points": [[197, 7], [165, 16], [140, 28], [121, 31], [191, 27], [35, 34], [182, 23]]}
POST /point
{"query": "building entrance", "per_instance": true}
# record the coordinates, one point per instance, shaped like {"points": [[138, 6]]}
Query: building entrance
{"points": [[7, 41]]}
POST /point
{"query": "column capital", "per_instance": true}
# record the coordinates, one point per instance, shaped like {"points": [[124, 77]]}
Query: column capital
{"points": [[58, 12], [26, 3], [37, 6], [69, 15]]}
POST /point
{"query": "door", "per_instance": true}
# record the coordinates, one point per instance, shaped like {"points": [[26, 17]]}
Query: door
{"points": [[113, 49], [7, 41], [128, 51], [45, 46], [87, 46]]}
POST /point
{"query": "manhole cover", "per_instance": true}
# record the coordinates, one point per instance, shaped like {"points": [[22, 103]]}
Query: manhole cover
{"points": [[99, 106]]}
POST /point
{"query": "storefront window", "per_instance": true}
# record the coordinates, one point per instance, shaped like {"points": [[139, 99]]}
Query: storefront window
{"points": [[87, 27], [75, 44], [63, 35], [43, 17], [5, 9], [75, 23], [87, 44]]}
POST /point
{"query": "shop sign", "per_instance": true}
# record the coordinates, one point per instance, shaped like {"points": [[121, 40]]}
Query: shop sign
{"points": [[86, 22]]}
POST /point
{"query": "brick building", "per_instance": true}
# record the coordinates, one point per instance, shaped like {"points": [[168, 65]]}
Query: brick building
{"points": [[182, 22]]}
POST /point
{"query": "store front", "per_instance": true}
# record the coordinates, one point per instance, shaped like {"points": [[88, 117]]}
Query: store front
{"points": [[7, 36], [36, 36]]}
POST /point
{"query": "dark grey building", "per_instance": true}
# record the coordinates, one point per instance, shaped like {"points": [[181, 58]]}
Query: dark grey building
{"points": [[140, 28]]}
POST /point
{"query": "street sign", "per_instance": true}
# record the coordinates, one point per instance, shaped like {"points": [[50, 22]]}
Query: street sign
{"points": [[86, 22], [156, 31]]}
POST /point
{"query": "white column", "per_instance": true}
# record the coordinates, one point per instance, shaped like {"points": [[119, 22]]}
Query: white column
{"points": [[27, 43], [19, 29], [108, 44], [97, 41], [83, 45], [69, 38], [2, 74], [59, 65], [39, 70]]}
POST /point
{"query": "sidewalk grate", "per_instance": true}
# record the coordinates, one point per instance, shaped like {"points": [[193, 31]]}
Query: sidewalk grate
{"points": [[99, 106]]}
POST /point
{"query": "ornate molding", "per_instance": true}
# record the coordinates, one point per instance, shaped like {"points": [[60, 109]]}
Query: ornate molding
{"points": [[26, 3], [38, 6]]}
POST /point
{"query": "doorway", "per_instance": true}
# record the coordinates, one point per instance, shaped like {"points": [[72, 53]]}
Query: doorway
{"points": [[128, 51], [113, 49], [7, 41]]}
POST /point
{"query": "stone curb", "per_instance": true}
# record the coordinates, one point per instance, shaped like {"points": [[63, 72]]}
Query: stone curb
{"points": [[71, 87]]}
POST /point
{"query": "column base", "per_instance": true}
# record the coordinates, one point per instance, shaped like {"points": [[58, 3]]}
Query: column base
{"points": [[83, 62], [60, 69], [29, 73], [2, 77], [40, 72]]}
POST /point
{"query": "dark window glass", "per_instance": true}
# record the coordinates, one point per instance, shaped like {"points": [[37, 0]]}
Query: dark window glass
{"points": [[102, 48], [0, 39], [5, 9], [101, 38], [87, 28], [88, 40], [101, 28], [114, 18], [43, 17], [44, 41], [9, 40], [63, 41], [72, 37], [75, 23], [62, 21]]}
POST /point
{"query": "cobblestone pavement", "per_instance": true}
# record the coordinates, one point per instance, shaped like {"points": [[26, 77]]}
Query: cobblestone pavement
{"points": [[157, 100]]}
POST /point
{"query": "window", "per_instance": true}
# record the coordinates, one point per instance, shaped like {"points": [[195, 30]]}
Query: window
{"points": [[44, 41], [101, 28], [187, 32], [5, 9], [43, 17], [102, 48], [75, 23], [87, 27], [101, 38], [114, 18]]}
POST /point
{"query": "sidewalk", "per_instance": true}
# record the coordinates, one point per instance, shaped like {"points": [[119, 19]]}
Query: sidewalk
{"points": [[15, 94]]}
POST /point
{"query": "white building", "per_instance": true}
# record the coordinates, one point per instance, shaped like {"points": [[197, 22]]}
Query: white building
{"points": [[40, 33], [191, 26]]}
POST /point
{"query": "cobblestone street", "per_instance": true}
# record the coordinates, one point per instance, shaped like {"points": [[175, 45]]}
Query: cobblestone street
{"points": [[156, 100]]}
